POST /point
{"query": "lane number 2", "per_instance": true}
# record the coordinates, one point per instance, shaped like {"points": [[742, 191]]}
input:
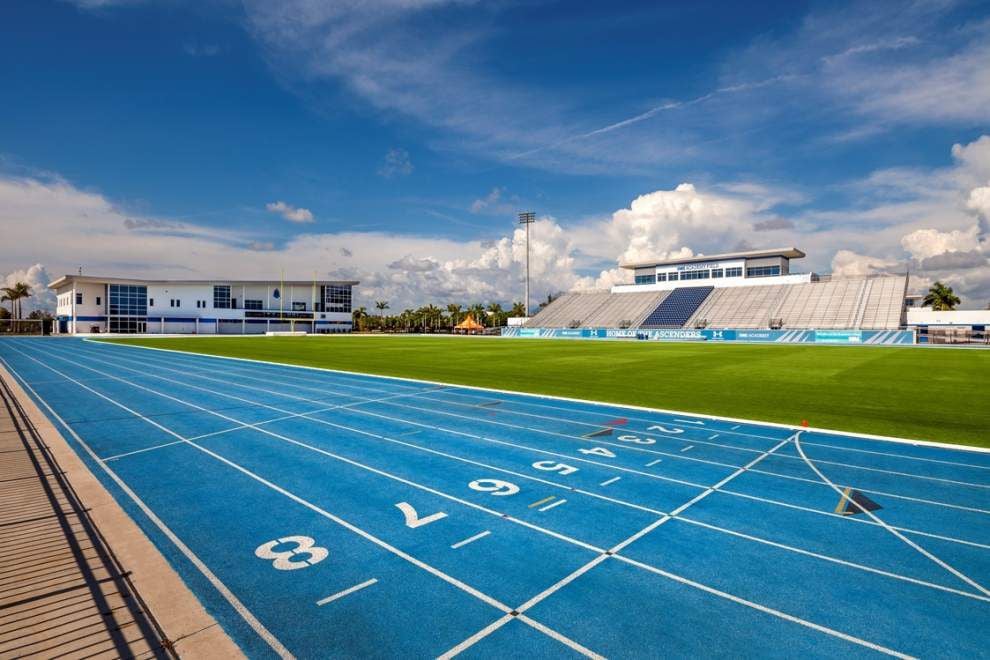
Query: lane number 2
{"points": [[663, 429], [306, 553]]}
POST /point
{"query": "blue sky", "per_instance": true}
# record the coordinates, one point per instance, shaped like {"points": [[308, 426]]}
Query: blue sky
{"points": [[394, 140]]}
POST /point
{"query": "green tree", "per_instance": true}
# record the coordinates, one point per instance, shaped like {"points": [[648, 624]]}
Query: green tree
{"points": [[497, 314], [518, 309], [360, 315], [941, 298], [15, 294], [477, 310], [381, 305], [455, 314]]}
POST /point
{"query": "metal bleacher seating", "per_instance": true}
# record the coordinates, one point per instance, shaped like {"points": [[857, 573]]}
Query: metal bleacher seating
{"points": [[738, 307], [568, 309], [624, 309], [677, 308]]}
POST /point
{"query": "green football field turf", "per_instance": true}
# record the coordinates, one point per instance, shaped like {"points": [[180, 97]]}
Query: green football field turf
{"points": [[929, 394]]}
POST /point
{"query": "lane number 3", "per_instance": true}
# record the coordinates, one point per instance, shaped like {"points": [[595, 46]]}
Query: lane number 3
{"points": [[306, 553]]}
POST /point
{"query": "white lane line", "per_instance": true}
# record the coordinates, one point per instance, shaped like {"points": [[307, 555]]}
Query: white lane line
{"points": [[281, 367], [346, 592], [484, 632], [631, 505], [713, 436], [141, 451], [588, 493], [648, 474], [200, 565], [551, 505], [652, 463], [765, 609], [470, 539], [688, 421], [898, 535], [421, 394], [687, 520], [735, 427], [340, 521], [687, 448], [609, 481]]}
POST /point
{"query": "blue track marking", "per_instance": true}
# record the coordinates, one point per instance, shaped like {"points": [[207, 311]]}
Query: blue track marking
{"points": [[232, 455]]}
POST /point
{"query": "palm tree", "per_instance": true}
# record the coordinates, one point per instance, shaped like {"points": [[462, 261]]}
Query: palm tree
{"points": [[497, 313], [382, 305], [15, 294], [360, 314], [455, 312], [941, 298], [518, 309], [477, 310]]}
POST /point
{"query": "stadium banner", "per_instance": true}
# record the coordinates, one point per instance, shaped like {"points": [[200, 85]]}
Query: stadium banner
{"points": [[843, 337]]}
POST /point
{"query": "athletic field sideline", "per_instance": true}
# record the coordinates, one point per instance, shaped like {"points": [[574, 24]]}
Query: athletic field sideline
{"points": [[322, 513], [926, 394]]}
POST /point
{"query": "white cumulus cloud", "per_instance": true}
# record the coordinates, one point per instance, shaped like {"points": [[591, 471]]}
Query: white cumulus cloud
{"points": [[290, 213]]}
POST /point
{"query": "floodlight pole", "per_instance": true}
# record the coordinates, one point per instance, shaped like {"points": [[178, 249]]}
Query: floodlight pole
{"points": [[527, 218]]}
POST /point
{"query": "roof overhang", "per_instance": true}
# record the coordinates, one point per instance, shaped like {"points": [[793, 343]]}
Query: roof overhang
{"points": [[787, 253], [88, 279]]}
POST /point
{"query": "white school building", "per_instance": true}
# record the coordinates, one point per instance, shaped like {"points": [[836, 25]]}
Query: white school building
{"points": [[88, 305]]}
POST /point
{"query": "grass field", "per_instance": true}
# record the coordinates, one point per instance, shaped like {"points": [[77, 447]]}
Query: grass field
{"points": [[927, 394]]}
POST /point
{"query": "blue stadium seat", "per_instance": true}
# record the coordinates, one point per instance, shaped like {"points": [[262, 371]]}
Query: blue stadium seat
{"points": [[678, 307]]}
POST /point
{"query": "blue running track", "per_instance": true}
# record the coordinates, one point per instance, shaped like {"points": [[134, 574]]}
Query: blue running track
{"points": [[318, 513]]}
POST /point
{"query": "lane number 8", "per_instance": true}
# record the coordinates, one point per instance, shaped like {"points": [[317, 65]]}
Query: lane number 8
{"points": [[285, 560]]}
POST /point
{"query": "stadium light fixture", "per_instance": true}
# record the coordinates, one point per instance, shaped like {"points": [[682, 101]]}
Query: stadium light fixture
{"points": [[527, 218]]}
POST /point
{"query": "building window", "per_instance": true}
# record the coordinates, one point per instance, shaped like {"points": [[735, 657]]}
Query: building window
{"points": [[128, 300], [672, 277], [733, 272], [717, 272], [221, 296], [336, 298], [254, 304], [151, 302], [298, 307], [661, 277], [646, 279], [694, 275], [78, 298], [763, 271], [98, 301]]}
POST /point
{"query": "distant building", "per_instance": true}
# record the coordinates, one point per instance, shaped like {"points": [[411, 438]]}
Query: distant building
{"points": [[754, 267], [89, 305]]}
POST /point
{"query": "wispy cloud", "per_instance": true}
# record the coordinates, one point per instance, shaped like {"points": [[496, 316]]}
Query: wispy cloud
{"points": [[291, 213], [396, 163]]}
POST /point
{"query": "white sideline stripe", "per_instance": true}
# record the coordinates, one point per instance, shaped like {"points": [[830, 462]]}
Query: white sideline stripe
{"points": [[647, 474], [555, 635], [141, 451], [470, 539], [688, 520], [688, 447], [326, 514], [346, 592], [421, 393], [551, 505], [652, 463], [481, 634], [909, 542], [609, 481], [599, 404], [416, 562], [223, 590]]}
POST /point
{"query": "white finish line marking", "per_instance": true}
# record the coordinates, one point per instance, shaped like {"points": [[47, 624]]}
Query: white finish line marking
{"points": [[688, 447], [470, 539], [346, 592], [552, 505], [652, 463], [610, 481]]}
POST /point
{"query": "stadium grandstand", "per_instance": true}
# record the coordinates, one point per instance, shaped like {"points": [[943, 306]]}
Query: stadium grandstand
{"points": [[750, 290]]}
